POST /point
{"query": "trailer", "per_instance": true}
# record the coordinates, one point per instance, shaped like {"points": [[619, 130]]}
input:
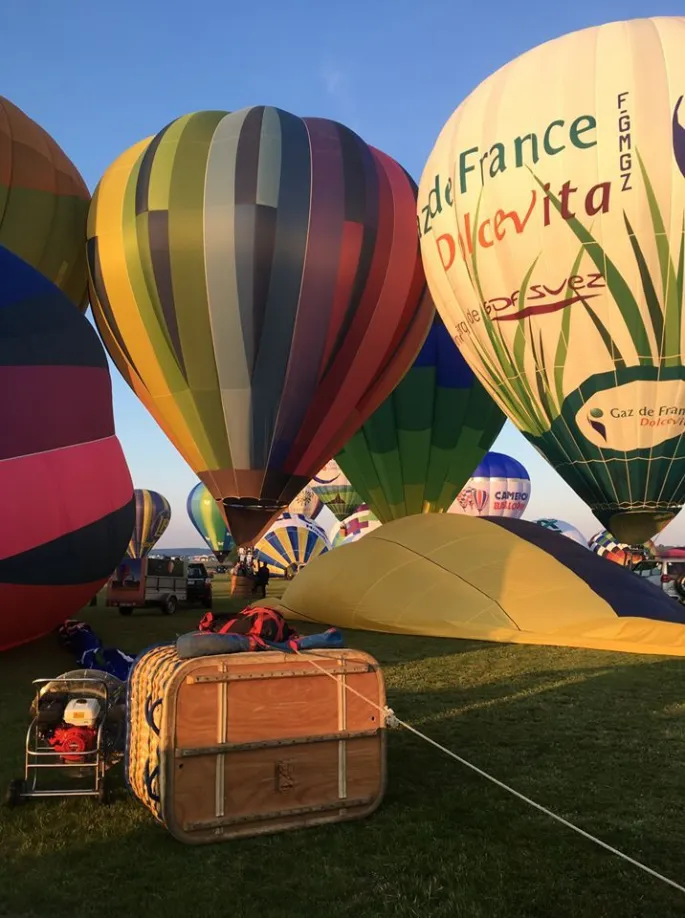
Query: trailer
{"points": [[139, 583]]}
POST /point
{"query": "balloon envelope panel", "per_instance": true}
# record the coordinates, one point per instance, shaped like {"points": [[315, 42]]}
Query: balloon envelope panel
{"points": [[209, 521], [66, 492], [500, 486], [507, 580], [153, 515], [419, 447], [551, 218], [257, 280], [43, 204]]}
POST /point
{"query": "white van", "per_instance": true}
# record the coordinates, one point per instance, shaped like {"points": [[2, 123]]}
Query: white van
{"points": [[668, 574]]}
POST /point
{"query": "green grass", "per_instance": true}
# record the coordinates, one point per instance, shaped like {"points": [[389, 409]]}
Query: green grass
{"points": [[597, 737]]}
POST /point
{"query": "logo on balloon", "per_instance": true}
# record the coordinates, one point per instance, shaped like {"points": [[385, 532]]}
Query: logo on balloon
{"points": [[542, 299]]}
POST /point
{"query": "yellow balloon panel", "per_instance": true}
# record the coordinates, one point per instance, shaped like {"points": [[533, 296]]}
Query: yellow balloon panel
{"points": [[552, 219]]}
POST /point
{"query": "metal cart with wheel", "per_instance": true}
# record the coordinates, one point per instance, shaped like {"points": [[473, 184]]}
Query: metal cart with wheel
{"points": [[76, 735]]}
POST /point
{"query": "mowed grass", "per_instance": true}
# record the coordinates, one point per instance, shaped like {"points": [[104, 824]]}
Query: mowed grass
{"points": [[597, 737]]}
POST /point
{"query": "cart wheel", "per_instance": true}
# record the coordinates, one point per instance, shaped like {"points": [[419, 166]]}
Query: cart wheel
{"points": [[125, 610], [15, 792], [170, 605]]}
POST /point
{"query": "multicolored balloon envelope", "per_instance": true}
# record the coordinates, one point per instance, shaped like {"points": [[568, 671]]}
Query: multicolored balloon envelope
{"points": [[153, 515], [257, 280], [562, 528], [491, 580], [417, 450], [43, 204], [500, 486], [292, 542], [307, 503], [606, 546], [65, 489], [551, 215], [209, 521], [356, 526], [332, 486]]}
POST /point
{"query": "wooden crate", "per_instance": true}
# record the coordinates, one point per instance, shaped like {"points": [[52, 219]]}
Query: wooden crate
{"points": [[254, 743]]}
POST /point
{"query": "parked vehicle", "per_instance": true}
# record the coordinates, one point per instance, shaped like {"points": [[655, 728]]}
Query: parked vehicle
{"points": [[148, 582], [673, 579], [199, 585]]}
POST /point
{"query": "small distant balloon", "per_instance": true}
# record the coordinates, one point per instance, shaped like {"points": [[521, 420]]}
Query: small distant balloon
{"points": [[500, 486], [563, 528], [357, 525], [307, 503], [291, 542], [153, 515], [607, 546], [333, 488], [209, 521]]}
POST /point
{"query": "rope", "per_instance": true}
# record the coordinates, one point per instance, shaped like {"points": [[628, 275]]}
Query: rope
{"points": [[392, 721]]}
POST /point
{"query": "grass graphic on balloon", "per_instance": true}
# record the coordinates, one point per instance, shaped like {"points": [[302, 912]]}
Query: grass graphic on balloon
{"points": [[533, 404]]}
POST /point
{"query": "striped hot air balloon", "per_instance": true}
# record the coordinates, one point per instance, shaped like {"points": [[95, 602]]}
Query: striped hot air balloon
{"points": [[256, 278], [208, 519], [419, 447], [153, 515], [290, 543], [67, 495], [607, 546], [43, 204]]}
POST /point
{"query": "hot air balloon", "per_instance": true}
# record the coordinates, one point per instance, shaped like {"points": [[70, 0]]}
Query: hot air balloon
{"points": [[500, 486], [307, 503], [207, 518], [43, 204], [551, 216], [333, 488], [357, 525], [417, 450], [606, 546], [256, 278], [563, 528], [153, 515], [61, 463], [290, 543]]}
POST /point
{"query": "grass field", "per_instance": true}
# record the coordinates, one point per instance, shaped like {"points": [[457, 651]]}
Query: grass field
{"points": [[597, 737]]}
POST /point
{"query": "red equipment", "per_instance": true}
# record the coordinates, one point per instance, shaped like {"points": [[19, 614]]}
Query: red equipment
{"points": [[67, 740]]}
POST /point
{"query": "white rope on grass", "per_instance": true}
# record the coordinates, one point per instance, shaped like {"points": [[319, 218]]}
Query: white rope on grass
{"points": [[391, 720]]}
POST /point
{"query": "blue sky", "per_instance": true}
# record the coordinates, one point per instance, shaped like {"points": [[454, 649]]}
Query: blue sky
{"points": [[101, 76]]}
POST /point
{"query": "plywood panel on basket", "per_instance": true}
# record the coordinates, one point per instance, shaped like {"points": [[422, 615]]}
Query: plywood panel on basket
{"points": [[303, 766]]}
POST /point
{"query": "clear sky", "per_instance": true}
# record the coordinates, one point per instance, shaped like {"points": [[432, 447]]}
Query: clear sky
{"points": [[100, 76]]}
